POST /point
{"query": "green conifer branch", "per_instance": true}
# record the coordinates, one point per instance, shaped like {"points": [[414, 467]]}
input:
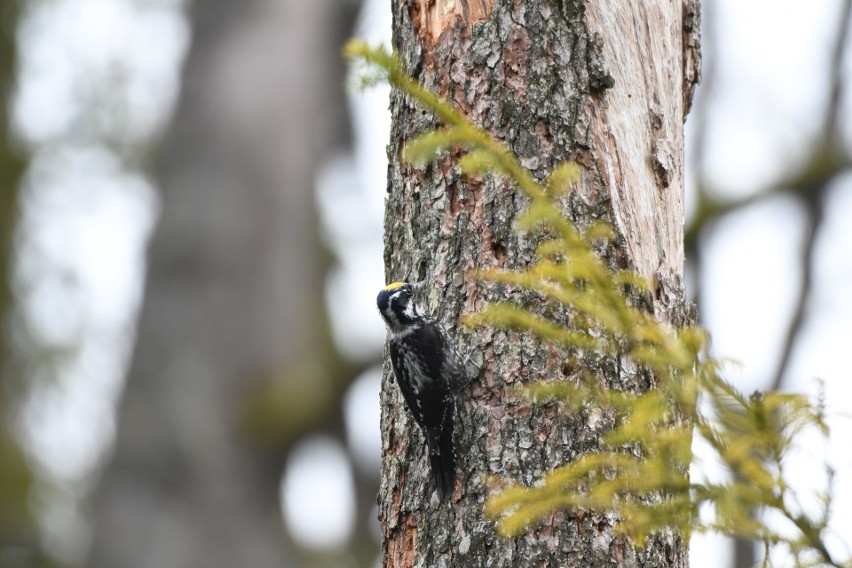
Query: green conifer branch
{"points": [[641, 469]]}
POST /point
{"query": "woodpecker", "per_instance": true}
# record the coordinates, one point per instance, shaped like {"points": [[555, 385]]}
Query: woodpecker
{"points": [[427, 368]]}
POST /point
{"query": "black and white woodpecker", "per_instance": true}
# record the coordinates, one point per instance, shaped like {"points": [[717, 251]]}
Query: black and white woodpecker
{"points": [[427, 368]]}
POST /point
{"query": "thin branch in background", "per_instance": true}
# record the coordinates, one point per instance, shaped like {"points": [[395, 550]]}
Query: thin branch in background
{"points": [[821, 170], [813, 223], [836, 73]]}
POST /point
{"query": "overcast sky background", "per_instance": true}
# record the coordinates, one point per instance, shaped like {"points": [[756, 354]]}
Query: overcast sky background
{"points": [[99, 78]]}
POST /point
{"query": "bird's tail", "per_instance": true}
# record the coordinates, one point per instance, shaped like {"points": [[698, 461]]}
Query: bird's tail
{"points": [[442, 456]]}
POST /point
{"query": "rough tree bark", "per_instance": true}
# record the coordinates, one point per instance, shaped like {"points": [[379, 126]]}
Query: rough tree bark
{"points": [[607, 84], [233, 359]]}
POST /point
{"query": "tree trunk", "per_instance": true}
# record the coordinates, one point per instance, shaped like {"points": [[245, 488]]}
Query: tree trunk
{"points": [[233, 360], [19, 538], [607, 84]]}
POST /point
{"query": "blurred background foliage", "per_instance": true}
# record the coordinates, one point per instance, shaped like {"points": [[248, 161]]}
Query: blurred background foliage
{"points": [[18, 529], [209, 150]]}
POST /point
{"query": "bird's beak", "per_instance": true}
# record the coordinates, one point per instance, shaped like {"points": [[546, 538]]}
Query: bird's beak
{"points": [[418, 285]]}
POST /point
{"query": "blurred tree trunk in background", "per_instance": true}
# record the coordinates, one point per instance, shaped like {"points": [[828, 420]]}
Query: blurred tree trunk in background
{"points": [[599, 82], [19, 538], [233, 358]]}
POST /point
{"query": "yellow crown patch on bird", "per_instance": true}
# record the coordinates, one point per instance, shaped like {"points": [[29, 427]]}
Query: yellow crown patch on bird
{"points": [[393, 285]]}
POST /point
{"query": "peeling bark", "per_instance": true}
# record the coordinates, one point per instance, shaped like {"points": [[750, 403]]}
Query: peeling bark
{"points": [[601, 83], [436, 16]]}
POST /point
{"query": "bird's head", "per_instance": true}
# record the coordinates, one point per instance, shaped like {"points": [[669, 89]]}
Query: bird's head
{"points": [[397, 306]]}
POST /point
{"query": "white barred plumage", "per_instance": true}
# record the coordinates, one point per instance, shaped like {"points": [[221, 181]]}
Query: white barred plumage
{"points": [[427, 368]]}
